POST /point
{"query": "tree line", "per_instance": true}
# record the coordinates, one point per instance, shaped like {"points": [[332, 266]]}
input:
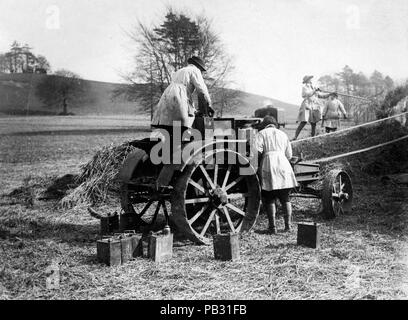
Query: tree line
{"points": [[20, 59], [357, 83], [374, 87]]}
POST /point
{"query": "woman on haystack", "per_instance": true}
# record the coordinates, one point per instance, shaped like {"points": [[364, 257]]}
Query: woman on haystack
{"points": [[310, 110], [332, 112]]}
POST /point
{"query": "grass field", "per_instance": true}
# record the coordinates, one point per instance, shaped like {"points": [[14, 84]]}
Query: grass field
{"points": [[363, 254]]}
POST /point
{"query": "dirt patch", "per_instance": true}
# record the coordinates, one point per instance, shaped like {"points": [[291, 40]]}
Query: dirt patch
{"points": [[30, 190], [59, 187]]}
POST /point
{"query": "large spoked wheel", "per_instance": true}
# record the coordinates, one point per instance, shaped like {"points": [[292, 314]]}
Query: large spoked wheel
{"points": [[337, 193], [215, 198]]}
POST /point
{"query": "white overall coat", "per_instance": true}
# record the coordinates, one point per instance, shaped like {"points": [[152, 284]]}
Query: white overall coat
{"points": [[275, 169], [176, 102]]}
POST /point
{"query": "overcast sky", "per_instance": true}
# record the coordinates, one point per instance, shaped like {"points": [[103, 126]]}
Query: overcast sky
{"points": [[274, 42]]}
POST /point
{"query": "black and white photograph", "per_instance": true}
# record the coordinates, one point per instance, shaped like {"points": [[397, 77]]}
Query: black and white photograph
{"points": [[217, 151]]}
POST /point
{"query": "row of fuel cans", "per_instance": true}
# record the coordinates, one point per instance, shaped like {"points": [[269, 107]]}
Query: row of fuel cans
{"points": [[120, 248]]}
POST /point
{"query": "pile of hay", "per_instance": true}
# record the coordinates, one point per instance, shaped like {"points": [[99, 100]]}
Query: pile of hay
{"points": [[359, 138], [97, 180], [389, 159]]}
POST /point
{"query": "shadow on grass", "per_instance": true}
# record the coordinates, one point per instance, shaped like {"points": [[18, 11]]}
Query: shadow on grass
{"points": [[31, 229], [37, 228]]}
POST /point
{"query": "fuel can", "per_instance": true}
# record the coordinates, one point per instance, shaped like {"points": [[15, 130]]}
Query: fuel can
{"points": [[309, 234], [126, 248], [136, 243], [226, 246], [160, 247], [109, 251]]}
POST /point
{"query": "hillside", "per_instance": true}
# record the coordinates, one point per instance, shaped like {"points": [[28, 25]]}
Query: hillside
{"points": [[250, 102], [17, 97]]}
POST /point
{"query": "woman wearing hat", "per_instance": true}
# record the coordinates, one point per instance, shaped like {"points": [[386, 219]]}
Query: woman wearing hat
{"points": [[332, 112], [276, 173], [309, 110], [176, 102]]}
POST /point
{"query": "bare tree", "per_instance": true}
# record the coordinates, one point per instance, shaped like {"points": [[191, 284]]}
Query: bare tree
{"points": [[62, 89]]}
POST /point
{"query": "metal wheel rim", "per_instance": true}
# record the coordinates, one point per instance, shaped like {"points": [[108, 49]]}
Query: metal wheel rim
{"points": [[337, 193], [202, 210]]}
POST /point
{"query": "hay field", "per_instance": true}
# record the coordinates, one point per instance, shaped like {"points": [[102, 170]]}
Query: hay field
{"points": [[363, 254]]}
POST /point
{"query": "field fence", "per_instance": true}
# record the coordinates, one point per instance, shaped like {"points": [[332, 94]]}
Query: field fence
{"points": [[360, 111]]}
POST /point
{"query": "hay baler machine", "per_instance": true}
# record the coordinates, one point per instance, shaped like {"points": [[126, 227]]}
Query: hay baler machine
{"points": [[211, 185]]}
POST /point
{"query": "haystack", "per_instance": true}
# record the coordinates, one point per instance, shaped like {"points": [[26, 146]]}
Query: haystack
{"points": [[350, 140], [385, 160], [98, 178]]}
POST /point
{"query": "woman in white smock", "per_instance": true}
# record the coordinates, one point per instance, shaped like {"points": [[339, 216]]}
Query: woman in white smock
{"points": [[275, 170]]}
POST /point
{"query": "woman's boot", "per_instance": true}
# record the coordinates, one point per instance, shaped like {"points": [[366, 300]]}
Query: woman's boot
{"points": [[271, 213], [288, 216]]}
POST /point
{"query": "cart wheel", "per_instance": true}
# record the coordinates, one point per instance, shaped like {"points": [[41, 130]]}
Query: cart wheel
{"points": [[145, 214], [139, 200], [337, 193], [215, 198]]}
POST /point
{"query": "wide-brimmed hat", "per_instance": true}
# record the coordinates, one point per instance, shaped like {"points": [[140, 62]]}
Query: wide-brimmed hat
{"points": [[198, 62], [307, 78], [267, 120]]}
